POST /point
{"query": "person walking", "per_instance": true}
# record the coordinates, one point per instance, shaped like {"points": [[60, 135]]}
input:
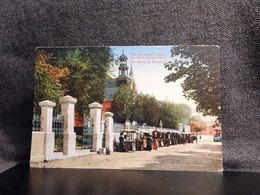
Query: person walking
{"points": [[149, 143], [145, 142], [121, 143], [155, 141], [155, 146]]}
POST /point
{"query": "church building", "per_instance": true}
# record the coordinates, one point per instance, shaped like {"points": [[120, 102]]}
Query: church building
{"points": [[112, 86]]}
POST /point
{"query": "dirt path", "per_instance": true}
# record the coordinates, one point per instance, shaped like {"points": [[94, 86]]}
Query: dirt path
{"points": [[204, 156]]}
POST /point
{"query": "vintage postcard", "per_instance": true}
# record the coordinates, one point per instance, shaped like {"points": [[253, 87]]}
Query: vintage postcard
{"points": [[127, 107]]}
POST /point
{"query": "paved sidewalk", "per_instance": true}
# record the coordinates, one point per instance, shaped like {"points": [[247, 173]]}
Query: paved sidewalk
{"points": [[206, 155]]}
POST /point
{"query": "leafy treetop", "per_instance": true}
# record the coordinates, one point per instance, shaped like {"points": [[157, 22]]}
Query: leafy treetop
{"points": [[200, 68]]}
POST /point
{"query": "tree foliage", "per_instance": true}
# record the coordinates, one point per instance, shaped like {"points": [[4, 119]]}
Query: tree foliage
{"points": [[78, 72], [142, 108], [89, 68], [186, 110], [200, 68], [151, 111], [173, 114], [138, 111], [195, 118], [185, 113], [123, 103], [47, 81], [146, 110]]}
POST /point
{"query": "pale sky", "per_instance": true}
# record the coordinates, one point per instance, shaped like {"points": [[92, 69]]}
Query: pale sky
{"points": [[149, 73]]}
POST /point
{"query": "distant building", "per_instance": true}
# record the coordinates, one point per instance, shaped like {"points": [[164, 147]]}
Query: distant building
{"points": [[112, 86]]}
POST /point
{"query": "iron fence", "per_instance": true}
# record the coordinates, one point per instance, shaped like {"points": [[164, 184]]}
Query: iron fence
{"points": [[103, 126], [87, 132], [36, 123], [57, 128]]}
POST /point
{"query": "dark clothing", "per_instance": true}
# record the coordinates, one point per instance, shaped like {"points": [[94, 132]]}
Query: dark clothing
{"points": [[149, 143], [121, 144]]}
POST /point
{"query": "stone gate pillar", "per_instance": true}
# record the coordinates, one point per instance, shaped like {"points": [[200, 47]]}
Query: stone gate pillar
{"points": [[46, 126], [109, 124], [161, 125], [180, 127], [127, 124], [187, 129], [95, 115], [67, 113]]}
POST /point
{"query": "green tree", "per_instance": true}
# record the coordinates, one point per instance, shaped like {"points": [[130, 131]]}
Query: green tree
{"points": [[171, 115], [151, 110], [146, 110], [138, 112], [123, 104], [200, 68], [185, 112], [89, 69]]}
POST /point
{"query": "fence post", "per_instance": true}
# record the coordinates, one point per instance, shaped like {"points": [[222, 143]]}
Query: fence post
{"points": [[67, 113], [109, 122], [95, 115], [46, 126]]}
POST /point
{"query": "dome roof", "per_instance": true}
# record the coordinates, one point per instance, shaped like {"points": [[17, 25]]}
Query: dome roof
{"points": [[123, 57]]}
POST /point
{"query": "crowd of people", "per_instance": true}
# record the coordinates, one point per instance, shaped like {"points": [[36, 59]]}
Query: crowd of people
{"points": [[155, 140]]}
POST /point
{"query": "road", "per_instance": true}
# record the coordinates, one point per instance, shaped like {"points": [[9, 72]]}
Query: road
{"points": [[206, 155]]}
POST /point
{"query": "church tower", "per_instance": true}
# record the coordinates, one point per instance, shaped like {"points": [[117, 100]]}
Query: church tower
{"points": [[112, 86], [123, 71]]}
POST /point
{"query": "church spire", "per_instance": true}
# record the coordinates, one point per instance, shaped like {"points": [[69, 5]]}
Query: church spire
{"points": [[131, 74]]}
